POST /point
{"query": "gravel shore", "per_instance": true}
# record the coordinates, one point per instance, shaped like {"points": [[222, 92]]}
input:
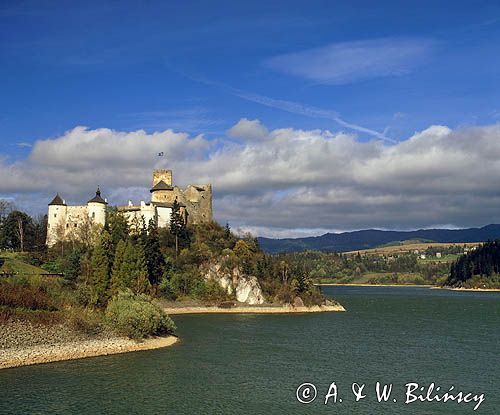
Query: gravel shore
{"points": [[24, 343], [253, 309]]}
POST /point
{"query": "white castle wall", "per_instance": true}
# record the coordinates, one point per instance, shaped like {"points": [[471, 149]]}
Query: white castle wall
{"points": [[67, 219]]}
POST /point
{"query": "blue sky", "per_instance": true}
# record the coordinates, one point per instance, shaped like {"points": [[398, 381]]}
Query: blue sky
{"points": [[377, 70]]}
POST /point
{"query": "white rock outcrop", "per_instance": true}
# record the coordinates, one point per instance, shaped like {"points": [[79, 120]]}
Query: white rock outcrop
{"points": [[245, 287]]}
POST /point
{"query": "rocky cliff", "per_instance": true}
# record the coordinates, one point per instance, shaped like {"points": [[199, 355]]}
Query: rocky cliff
{"points": [[246, 288]]}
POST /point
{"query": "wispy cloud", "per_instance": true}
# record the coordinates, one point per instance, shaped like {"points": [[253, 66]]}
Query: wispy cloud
{"points": [[293, 107], [310, 111], [24, 144], [347, 62], [192, 120]]}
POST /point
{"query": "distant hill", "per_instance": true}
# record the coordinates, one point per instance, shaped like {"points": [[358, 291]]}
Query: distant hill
{"points": [[371, 238]]}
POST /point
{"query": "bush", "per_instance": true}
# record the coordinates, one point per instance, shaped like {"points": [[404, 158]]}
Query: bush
{"points": [[25, 296], [211, 292], [136, 316], [85, 321], [184, 282]]}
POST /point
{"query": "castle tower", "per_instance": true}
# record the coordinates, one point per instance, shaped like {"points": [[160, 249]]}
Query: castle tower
{"points": [[96, 208], [162, 175], [162, 190], [56, 218]]}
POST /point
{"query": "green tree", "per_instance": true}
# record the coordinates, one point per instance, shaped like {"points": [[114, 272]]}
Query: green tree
{"points": [[140, 282], [18, 232], [178, 226], [118, 281], [128, 263], [72, 269], [101, 268], [154, 258], [117, 225]]}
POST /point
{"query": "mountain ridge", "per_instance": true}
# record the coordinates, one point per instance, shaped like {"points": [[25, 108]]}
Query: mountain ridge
{"points": [[371, 238]]}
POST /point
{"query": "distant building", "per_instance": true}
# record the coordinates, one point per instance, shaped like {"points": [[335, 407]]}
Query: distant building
{"points": [[195, 205], [422, 256], [438, 254]]}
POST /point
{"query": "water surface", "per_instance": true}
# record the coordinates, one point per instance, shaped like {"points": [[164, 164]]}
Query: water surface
{"points": [[252, 364]]}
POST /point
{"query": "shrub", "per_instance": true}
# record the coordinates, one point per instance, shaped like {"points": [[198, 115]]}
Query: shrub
{"points": [[24, 296], [136, 316], [85, 321], [211, 292], [184, 282]]}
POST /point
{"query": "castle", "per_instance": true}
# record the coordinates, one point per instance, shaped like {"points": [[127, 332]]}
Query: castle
{"points": [[64, 222]]}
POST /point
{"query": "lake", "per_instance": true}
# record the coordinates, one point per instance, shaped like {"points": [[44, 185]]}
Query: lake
{"points": [[253, 364]]}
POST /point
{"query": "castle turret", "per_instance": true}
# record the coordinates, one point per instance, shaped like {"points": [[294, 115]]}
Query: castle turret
{"points": [[162, 190], [56, 218], [96, 208]]}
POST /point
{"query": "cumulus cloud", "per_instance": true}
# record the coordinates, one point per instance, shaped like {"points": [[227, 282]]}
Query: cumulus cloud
{"points": [[346, 62], [280, 182], [248, 130]]}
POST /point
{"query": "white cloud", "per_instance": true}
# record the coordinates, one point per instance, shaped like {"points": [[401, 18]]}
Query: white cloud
{"points": [[283, 181], [346, 62], [248, 130]]}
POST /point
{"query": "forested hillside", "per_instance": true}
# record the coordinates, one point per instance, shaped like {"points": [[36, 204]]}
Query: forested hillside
{"points": [[371, 238], [479, 268]]}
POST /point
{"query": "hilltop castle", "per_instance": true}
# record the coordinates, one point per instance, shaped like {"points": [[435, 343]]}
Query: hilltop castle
{"points": [[195, 205]]}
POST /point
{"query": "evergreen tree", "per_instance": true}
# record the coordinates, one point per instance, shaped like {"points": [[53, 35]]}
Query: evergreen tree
{"points": [[72, 269], [128, 264], [101, 268], [117, 281], [154, 257], [177, 226], [140, 282], [118, 226], [227, 231], [483, 261], [18, 232]]}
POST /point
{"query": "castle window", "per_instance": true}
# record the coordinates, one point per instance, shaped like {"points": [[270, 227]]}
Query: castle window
{"points": [[76, 225], [55, 215], [93, 215], [67, 225]]}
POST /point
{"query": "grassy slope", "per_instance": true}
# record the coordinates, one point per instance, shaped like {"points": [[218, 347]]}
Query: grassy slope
{"points": [[390, 250], [403, 278], [14, 263]]}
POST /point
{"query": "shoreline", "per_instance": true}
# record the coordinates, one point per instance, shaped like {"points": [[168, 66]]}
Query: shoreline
{"points": [[467, 289], [432, 287], [39, 354], [253, 310], [333, 284]]}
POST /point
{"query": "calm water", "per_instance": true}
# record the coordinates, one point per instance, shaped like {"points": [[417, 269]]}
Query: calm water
{"points": [[253, 364]]}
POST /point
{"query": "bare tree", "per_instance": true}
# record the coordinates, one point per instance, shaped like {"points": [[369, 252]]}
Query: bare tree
{"points": [[60, 234], [20, 231], [87, 232]]}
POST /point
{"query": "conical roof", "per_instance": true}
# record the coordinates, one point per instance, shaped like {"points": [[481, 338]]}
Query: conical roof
{"points": [[161, 185], [97, 198], [57, 201]]}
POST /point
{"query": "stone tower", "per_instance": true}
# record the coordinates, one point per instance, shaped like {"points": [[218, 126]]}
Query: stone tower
{"points": [[56, 217], [96, 208], [162, 190], [196, 200]]}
